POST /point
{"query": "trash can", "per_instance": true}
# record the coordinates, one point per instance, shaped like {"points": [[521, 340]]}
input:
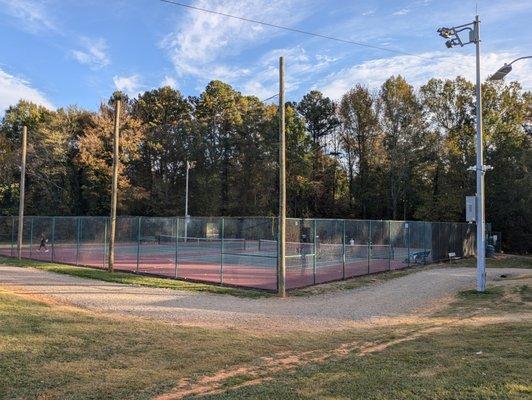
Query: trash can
{"points": [[490, 250]]}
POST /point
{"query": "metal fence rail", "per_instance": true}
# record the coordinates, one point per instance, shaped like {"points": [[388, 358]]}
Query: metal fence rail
{"points": [[239, 251]]}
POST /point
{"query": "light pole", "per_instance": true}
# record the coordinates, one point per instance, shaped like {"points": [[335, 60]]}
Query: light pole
{"points": [[190, 165], [281, 239], [505, 70], [117, 98], [452, 34]]}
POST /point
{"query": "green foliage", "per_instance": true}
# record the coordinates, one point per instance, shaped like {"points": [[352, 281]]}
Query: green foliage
{"points": [[390, 154]]}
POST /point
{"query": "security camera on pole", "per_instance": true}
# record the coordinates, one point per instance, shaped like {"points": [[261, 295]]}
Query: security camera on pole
{"points": [[454, 39]]}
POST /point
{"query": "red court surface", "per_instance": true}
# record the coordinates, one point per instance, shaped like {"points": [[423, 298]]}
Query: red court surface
{"points": [[240, 268]]}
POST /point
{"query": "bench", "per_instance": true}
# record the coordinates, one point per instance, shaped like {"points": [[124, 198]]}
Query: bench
{"points": [[417, 257], [453, 256]]}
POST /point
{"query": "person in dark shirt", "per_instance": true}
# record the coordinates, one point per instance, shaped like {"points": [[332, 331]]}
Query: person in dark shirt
{"points": [[43, 244]]}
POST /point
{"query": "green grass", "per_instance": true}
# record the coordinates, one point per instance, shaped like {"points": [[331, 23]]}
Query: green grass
{"points": [[133, 279], [57, 352]]}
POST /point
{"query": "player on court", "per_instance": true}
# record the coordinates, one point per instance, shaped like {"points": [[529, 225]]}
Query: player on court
{"points": [[43, 244]]}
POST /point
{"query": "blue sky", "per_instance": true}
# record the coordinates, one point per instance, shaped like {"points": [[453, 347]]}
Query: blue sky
{"points": [[70, 52]]}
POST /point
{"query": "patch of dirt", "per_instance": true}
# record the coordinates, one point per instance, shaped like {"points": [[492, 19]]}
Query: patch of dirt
{"points": [[40, 298]]}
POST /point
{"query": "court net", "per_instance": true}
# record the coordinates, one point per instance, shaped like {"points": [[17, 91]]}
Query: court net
{"points": [[205, 242], [331, 250]]}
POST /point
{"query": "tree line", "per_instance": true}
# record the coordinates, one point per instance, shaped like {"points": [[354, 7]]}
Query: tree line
{"points": [[391, 153]]}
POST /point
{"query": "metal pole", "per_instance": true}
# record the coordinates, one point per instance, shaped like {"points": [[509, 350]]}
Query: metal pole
{"points": [[407, 229], [222, 252], [53, 238], [114, 187], [186, 201], [343, 250], [22, 191], [176, 245], [139, 219], [281, 240], [104, 243], [12, 235], [31, 234], [369, 248], [315, 251], [390, 247], [481, 260], [79, 221]]}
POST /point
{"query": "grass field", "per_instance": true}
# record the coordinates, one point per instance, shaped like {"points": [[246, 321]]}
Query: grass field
{"points": [[478, 347]]}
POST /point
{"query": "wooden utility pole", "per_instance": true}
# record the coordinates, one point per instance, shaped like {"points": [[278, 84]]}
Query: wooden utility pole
{"points": [[281, 240], [22, 191], [116, 136]]}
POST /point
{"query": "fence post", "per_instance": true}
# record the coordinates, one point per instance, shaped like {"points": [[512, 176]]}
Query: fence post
{"points": [[78, 229], [315, 252], [12, 234], [104, 243], [428, 228], [53, 238], [222, 253], [139, 219], [176, 244], [408, 235], [390, 247], [31, 235], [343, 250], [369, 247]]}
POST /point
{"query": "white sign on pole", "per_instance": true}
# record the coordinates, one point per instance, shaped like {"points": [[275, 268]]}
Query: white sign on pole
{"points": [[471, 208]]}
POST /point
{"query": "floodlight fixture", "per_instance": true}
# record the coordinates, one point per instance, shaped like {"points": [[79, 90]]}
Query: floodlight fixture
{"points": [[446, 33]]}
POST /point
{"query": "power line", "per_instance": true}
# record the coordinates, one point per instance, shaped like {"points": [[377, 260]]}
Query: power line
{"points": [[269, 98], [291, 29]]}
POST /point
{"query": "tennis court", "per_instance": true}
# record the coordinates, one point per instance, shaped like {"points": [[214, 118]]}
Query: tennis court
{"points": [[238, 251]]}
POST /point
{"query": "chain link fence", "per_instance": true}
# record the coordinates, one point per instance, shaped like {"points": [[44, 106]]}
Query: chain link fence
{"points": [[239, 251]]}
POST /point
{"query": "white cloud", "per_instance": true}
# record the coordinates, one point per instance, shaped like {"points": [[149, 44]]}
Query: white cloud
{"points": [[94, 53], [204, 41], [13, 89], [402, 11], [129, 84], [31, 15], [418, 70], [169, 81], [302, 69]]}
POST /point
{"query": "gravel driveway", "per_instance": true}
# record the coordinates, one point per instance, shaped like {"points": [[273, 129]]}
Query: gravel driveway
{"points": [[397, 297]]}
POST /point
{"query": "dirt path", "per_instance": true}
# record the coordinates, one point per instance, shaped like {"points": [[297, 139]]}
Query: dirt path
{"points": [[413, 293]]}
